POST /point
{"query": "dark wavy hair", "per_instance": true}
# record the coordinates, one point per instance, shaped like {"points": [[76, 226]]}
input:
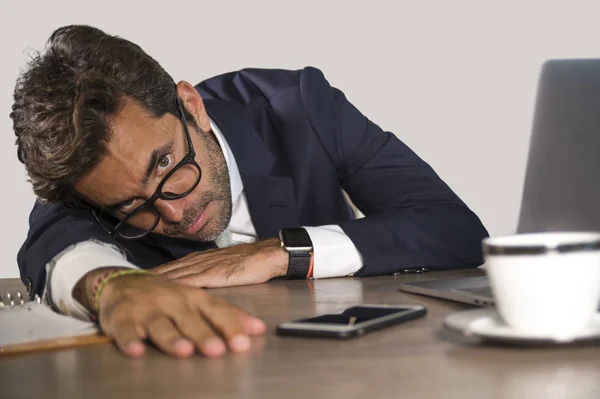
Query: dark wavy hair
{"points": [[65, 98]]}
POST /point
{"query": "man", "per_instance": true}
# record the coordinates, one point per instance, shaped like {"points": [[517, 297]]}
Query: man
{"points": [[238, 180]]}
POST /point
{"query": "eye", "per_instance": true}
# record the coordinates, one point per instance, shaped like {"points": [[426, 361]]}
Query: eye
{"points": [[126, 207], [164, 163]]}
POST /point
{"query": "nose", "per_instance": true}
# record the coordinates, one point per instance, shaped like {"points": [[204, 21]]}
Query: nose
{"points": [[171, 210]]}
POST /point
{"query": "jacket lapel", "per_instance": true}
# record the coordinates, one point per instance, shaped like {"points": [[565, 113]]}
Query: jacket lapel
{"points": [[268, 187]]}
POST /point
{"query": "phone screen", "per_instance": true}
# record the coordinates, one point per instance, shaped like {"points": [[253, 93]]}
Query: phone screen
{"points": [[354, 315]]}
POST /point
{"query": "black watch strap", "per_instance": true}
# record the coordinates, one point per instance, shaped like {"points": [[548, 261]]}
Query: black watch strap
{"points": [[296, 241], [298, 265]]}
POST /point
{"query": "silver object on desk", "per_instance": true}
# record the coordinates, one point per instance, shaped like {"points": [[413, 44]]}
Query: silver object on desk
{"points": [[20, 296], [8, 300], [561, 191]]}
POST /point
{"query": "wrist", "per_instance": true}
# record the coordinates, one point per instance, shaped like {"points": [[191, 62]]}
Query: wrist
{"points": [[83, 291], [86, 289], [296, 242], [116, 285], [275, 256]]}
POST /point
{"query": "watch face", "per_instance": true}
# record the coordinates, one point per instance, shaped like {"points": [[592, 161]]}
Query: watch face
{"points": [[296, 239]]}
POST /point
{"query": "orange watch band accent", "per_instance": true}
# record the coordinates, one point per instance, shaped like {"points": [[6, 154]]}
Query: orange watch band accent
{"points": [[310, 268]]}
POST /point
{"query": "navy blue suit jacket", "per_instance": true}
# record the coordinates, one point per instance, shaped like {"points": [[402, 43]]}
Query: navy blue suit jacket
{"points": [[298, 142]]}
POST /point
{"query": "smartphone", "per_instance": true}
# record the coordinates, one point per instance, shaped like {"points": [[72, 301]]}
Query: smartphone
{"points": [[351, 322]]}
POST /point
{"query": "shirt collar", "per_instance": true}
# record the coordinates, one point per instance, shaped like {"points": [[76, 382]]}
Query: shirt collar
{"points": [[235, 178]]}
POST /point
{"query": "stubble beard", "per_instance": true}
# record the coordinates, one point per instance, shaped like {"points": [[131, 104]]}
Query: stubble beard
{"points": [[220, 192]]}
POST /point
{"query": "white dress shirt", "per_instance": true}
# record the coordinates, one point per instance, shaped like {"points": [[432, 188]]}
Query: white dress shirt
{"points": [[334, 253]]}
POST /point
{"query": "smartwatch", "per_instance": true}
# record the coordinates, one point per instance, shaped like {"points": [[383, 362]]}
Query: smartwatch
{"points": [[296, 242]]}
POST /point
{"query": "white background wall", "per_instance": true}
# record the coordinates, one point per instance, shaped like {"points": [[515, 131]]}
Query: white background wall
{"points": [[455, 80]]}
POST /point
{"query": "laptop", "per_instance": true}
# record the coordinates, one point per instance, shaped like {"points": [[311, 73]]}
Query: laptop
{"points": [[562, 190]]}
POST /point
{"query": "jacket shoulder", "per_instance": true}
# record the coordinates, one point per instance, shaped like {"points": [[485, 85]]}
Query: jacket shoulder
{"points": [[251, 85]]}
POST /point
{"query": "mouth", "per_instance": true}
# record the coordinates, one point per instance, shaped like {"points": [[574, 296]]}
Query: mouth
{"points": [[198, 224]]}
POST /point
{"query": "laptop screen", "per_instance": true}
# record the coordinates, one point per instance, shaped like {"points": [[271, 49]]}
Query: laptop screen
{"points": [[562, 183]]}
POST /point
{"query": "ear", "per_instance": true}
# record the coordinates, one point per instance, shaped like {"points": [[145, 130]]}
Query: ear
{"points": [[193, 103]]}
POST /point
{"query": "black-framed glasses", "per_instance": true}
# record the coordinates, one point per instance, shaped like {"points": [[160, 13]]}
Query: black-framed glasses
{"points": [[179, 182]]}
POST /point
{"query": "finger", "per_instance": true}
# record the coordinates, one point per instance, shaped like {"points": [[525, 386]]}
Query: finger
{"points": [[174, 265], [162, 269], [128, 339], [203, 260], [177, 273], [197, 329], [177, 269], [200, 265], [188, 271], [225, 319], [167, 337], [217, 277], [251, 325], [194, 258]]}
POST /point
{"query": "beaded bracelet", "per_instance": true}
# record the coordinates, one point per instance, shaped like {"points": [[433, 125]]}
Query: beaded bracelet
{"points": [[108, 277]]}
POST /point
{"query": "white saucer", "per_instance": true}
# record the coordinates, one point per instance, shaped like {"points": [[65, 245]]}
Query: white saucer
{"points": [[487, 325]]}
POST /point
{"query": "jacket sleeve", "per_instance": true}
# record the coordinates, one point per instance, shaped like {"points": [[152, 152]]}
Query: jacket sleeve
{"points": [[413, 219], [53, 228]]}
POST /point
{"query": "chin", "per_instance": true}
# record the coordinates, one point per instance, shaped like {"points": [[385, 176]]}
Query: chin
{"points": [[210, 231]]}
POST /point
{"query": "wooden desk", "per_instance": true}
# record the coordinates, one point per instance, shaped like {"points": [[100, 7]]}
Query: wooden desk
{"points": [[414, 360]]}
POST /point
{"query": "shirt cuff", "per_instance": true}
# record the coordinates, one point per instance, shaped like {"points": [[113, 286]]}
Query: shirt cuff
{"points": [[69, 266], [335, 255]]}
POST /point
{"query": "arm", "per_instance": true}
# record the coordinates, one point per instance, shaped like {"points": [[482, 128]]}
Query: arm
{"points": [[69, 267], [134, 307], [413, 219], [55, 227], [178, 319], [52, 229]]}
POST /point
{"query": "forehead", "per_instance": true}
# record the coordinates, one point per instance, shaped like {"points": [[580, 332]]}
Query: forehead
{"points": [[135, 134]]}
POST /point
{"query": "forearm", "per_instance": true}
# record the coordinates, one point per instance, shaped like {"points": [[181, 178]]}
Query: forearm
{"points": [[434, 236], [270, 252], [243, 264], [71, 268]]}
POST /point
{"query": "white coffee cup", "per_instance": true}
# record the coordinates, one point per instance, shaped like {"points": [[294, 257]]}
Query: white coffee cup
{"points": [[545, 284]]}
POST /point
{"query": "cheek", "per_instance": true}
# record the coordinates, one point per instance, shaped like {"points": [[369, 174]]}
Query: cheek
{"points": [[195, 196], [207, 176], [203, 186]]}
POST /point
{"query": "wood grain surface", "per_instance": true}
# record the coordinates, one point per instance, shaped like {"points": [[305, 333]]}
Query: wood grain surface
{"points": [[418, 359]]}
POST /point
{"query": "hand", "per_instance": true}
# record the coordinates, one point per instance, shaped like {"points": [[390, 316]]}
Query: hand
{"points": [[238, 265], [175, 318]]}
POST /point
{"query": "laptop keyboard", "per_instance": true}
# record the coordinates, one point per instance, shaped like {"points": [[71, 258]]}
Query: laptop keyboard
{"points": [[484, 292], [479, 291]]}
